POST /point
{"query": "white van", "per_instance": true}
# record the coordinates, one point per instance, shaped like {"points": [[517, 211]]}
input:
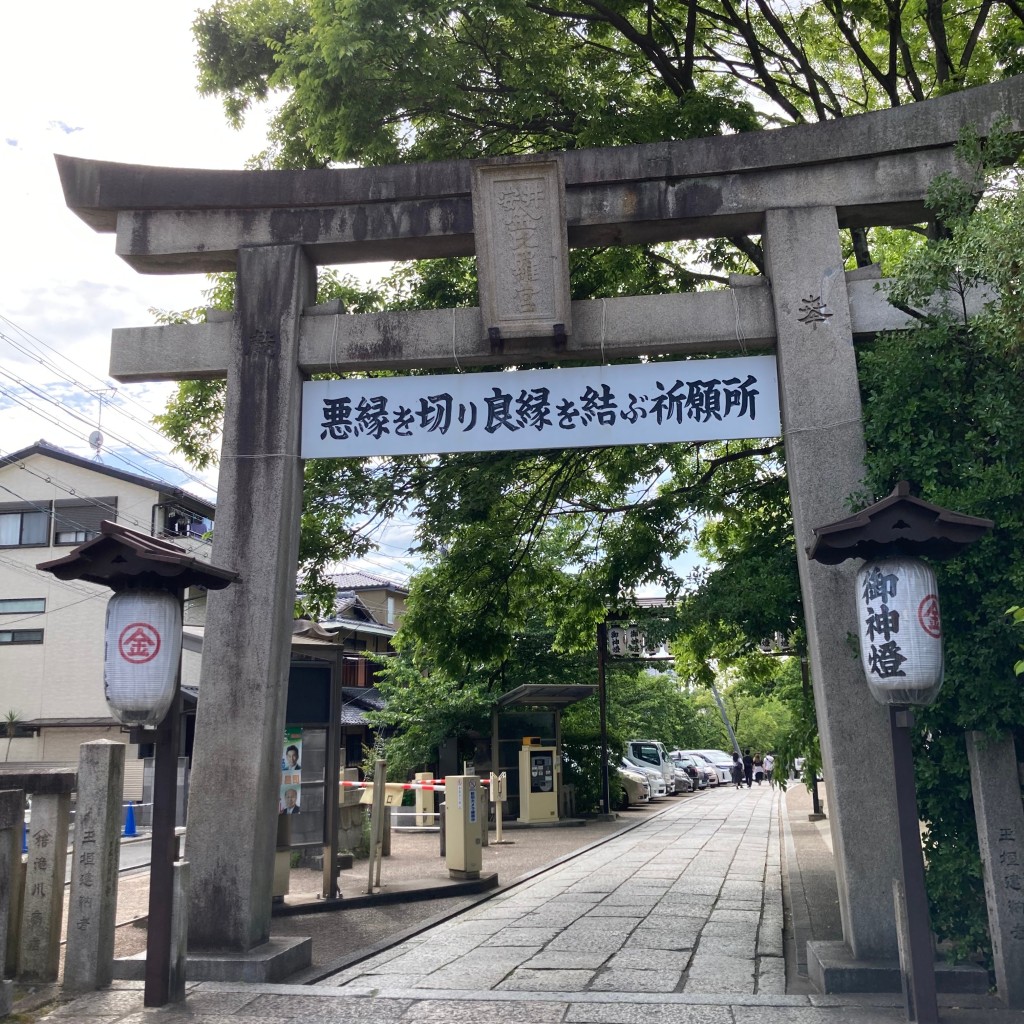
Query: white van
{"points": [[652, 754], [655, 780]]}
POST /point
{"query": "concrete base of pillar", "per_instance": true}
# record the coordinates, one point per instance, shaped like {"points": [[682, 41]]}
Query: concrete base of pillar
{"points": [[833, 969], [274, 961], [6, 997]]}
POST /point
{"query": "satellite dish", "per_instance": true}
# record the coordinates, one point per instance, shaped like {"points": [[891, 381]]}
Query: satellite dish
{"points": [[96, 441]]}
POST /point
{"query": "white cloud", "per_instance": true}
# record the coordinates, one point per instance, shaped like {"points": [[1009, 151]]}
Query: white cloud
{"points": [[113, 81]]}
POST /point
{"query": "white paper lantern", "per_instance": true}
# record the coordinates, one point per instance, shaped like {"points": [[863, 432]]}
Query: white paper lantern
{"points": [[900, 630], [141, 655]]}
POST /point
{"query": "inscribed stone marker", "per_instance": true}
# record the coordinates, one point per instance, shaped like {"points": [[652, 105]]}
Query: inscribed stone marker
{"points": [[522, 250], [1000, 819]]}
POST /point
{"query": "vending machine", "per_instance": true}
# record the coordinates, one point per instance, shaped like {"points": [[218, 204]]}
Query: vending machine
{"points": [[539, 781]]}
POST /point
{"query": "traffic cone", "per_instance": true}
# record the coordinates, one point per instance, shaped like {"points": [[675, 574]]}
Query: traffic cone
{"points": [[129, 822]]}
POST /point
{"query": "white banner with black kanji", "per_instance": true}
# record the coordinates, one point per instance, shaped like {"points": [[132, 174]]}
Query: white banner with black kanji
{"points": [[582, 407]]}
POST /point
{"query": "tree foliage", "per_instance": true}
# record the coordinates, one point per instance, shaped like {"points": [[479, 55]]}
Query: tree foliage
{"points": [[380, 81], [941, 412]]}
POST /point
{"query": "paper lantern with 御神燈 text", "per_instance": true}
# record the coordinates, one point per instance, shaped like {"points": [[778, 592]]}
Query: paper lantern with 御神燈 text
{"points": [[900, 630]]}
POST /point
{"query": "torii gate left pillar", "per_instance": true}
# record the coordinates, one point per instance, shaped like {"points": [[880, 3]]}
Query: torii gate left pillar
{"points": [[233, 801]]}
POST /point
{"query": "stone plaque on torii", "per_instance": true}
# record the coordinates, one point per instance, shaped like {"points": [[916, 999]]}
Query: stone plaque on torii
{"points": [[795, 187]]}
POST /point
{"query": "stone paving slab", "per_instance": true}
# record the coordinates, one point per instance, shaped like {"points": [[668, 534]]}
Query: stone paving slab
{"points": [[633, 958], [678, 921], [530, 980], [554, 959], [643, 1013], [445, 1011]]}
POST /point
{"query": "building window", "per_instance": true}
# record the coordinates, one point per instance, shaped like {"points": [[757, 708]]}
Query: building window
{"points": [[183, 522], [21, 636], [25, 528], [76, 520], [24, 605], [71, 536]]}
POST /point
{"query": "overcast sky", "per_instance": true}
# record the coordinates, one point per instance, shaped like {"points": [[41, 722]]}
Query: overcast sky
{"points": [[111, 80]]}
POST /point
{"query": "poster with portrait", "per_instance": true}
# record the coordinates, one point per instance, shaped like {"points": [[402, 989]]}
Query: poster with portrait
{"points": [[290, 796]]}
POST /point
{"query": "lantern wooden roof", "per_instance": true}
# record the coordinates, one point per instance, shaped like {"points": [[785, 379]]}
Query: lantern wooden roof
{"points": [[897, 525], [124, 559]]}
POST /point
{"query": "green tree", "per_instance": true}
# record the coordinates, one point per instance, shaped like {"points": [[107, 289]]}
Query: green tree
{"points": [[940, 406], [377, 82], [11, 720]]}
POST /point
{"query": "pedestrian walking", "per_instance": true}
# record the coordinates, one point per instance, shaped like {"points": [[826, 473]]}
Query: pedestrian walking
{"points": [[737, 770], [748, 768], [758, 769], [769, 764]]}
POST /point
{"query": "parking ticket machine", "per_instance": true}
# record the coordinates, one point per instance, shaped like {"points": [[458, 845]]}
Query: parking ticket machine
{"points": [[539, 782]]}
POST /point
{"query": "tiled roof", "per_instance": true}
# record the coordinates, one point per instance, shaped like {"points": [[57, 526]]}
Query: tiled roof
{"points": [[356, 701], [366, 581]]}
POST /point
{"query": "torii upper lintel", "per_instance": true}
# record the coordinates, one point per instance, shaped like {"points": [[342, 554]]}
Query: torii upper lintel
{"points": [[873, 168]]}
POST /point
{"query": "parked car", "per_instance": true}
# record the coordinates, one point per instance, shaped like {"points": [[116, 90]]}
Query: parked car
{"points": [[630, 786], [695, 773], [654, 777], [684, 782], [652, 754], [703, 762], [722, 763]]}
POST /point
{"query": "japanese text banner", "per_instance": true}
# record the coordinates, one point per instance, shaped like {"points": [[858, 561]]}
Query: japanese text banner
{"points": [[583, 407]]}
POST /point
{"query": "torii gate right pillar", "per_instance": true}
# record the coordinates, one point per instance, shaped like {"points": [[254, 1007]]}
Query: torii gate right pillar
{"points": [[824, 444]]}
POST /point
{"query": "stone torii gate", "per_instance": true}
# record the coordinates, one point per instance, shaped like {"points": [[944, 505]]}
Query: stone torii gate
{"points": [[795, 187]]}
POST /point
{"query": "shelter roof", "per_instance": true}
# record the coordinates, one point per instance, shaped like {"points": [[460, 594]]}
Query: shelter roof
{"points": [[356, 701], [546, 695]]}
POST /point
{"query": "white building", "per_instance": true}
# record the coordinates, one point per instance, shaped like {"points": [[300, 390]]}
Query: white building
{"points": [[51, 631]]}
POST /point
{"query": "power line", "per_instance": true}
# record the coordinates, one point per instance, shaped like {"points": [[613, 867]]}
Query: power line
{"points": [[154, 456], [104, 385]]}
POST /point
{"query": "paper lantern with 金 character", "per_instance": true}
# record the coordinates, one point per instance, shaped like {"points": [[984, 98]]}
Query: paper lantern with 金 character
{"points": [[900, 630], [141, 656]]}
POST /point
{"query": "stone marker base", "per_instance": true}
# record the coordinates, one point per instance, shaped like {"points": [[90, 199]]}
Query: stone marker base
{"points": [[274, 961], [6, 997], [833, 969]]}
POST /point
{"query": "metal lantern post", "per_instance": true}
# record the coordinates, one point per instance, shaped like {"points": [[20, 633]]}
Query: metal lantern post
{"points": [[901, 653], [141, 679]]}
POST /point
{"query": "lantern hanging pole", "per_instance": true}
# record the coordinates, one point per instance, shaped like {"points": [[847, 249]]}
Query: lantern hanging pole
{"points": [[164, 853], [602, 698], [135, 565], [919, 987]]}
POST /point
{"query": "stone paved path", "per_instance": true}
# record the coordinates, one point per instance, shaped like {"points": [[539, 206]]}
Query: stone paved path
{"points": [[678, 921], [690, 901]]}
